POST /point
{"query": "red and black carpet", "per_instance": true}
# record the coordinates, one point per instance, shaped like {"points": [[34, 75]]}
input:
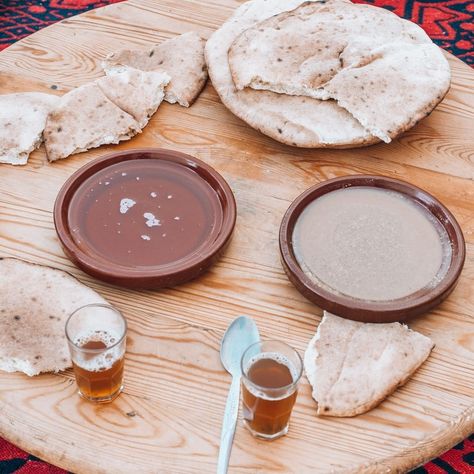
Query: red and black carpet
{"points": [[450, 23]]}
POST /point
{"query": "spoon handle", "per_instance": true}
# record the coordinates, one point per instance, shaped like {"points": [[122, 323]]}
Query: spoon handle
{"points": [[228, 425]]}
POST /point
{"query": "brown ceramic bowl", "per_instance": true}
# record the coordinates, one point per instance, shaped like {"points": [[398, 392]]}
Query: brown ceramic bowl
{"points": [[372, 311], [145, 218]]}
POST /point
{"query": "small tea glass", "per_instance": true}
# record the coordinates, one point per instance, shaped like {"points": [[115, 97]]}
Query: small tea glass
{"points": [[96, 334], [271, 371]]}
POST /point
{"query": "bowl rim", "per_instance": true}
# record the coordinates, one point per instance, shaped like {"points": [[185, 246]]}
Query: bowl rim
{"points": [[171, 273], [363, 310]]}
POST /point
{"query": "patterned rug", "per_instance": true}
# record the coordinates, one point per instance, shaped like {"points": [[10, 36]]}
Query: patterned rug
{"points": [[450, 23]]}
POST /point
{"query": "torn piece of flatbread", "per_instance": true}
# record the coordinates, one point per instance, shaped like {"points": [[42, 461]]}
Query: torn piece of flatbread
{"points": [[22, 121], [182, 58], [137, 92], [85, 118], [294, 120], [353, 366], [35, 304], [384, 70], [297, 52], [400, 85]]}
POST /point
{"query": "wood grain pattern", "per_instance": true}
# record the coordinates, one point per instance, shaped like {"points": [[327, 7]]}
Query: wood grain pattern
{"points": [[168, 419]]}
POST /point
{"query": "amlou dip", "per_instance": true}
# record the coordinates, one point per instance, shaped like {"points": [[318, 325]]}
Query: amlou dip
{"points": [[370, 244]]}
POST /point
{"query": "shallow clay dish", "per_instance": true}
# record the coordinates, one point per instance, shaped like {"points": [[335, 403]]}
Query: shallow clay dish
{"points": [[364, 310], [148, 218]]}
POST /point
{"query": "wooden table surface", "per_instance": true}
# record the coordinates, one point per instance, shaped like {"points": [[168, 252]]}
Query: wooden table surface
{"points": [[168, 419]]}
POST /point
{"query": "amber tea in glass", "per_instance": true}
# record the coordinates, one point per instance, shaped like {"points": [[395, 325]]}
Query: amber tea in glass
{"points": [[96, 335], [271, 371]]}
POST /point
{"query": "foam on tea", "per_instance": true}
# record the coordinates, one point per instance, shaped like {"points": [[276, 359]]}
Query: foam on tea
{"points": [[370, 244], [98, 370], [100, 361]]}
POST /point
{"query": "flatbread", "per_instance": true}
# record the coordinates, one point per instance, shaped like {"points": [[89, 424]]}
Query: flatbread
{"points": [[303, 122], [299, 51], [182, 58], [85, 118], [353, 366], [22, 121], [395, 90], [388, 75], [137, 92], [36, 302]]}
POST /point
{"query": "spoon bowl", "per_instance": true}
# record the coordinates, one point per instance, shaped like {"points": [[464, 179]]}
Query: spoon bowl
{"points": [[241, 333]]}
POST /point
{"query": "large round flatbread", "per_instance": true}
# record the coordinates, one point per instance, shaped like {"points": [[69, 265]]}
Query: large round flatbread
{"points": [[297, 121], [384, 70], [34, 306]]}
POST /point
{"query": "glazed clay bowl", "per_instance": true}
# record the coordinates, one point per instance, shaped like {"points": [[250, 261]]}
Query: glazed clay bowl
{"points": [[399, 309], [118, 245]]}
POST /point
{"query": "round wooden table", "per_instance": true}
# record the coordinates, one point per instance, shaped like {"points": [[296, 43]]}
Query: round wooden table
{"points": [[169, 417]]}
